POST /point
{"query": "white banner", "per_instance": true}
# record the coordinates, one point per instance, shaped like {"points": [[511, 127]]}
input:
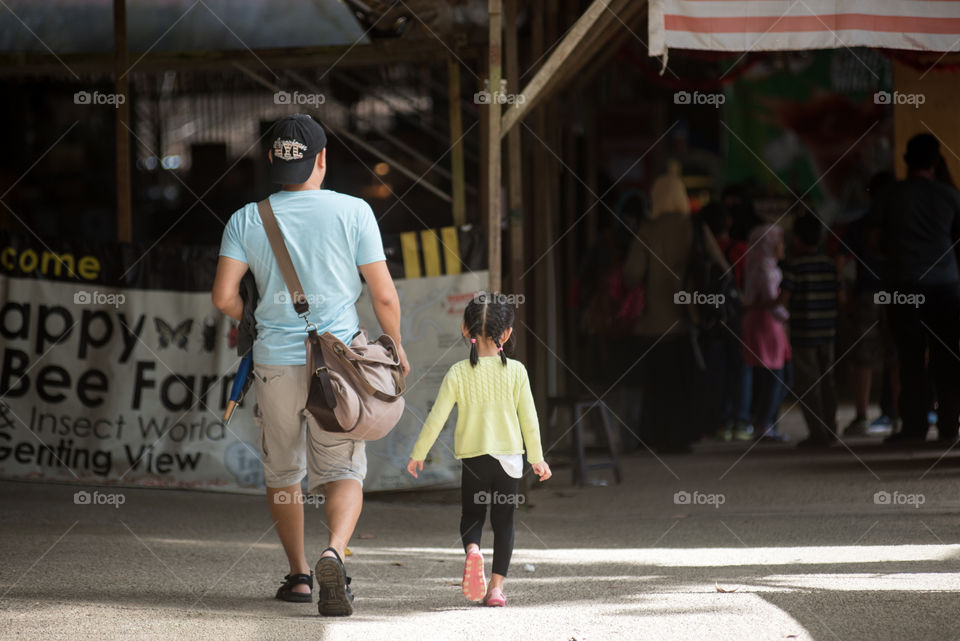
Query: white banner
{"points": [[432, 314], [128, 386]]}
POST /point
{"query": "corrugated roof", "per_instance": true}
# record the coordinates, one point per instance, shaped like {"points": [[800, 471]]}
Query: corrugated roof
{"points": [[86, 26]]}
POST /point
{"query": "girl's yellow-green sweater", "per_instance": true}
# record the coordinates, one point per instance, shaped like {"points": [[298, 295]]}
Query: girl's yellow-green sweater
{"points": [[495, 411]]}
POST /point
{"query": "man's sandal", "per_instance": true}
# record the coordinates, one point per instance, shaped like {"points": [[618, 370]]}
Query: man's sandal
{"points": [[335, 598], [286, 592]]}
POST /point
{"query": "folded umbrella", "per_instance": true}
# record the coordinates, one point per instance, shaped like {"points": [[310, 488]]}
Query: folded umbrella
{"points": [[239, 386]]}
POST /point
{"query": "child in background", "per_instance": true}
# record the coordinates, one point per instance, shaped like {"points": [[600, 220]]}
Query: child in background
{"points": [[766, 347], [496, 419], [809, 290]]}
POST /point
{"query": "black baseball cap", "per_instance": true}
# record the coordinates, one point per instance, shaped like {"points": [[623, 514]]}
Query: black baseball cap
{"points": [[296, 141]]}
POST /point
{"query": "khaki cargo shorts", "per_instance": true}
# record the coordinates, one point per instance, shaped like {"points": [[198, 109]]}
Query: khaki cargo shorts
{"points": [[292, 444]]}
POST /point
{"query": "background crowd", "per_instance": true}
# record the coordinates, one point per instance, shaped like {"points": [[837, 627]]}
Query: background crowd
{"points": [[724, 319]]}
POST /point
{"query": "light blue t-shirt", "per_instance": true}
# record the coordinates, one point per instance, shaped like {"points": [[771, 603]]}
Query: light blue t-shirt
{"points": [[328, 235]]}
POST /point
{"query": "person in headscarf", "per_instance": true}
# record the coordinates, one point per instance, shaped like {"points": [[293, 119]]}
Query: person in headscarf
{"points": [[766, 347], [658, 260]]}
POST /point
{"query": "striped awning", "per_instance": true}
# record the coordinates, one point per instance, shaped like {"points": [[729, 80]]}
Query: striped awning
{"points": [[776, 25]]}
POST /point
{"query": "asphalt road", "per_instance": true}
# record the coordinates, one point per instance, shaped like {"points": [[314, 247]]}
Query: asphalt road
{"points": [[768, 543]]}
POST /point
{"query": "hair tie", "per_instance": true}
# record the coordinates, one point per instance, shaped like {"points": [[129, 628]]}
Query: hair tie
{"points": [[473, 340], [500, 349]]}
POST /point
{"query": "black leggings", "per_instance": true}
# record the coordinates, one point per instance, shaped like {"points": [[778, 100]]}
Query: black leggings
{"points": [[483, 482]]}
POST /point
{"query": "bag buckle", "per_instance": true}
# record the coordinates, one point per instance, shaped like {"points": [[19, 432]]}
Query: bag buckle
{"points": [[322, 368], [306, 319]]}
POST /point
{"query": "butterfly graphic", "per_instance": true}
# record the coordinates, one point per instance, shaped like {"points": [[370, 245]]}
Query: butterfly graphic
{"points": [[170, 336]]}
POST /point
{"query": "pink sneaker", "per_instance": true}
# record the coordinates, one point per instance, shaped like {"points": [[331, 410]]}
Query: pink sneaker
{"points": [[495, 598], [474, 582]]}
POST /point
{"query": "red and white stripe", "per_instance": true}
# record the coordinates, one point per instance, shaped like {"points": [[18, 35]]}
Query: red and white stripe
{"points": [[772, 25]]}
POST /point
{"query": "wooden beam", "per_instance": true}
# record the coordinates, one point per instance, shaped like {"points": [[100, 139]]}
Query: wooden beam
{"points": [[122, 152], [376, 53], [494, 200], [533, 92], [458, 180]]}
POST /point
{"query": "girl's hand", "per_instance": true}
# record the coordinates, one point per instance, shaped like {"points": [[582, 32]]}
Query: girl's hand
{"points": [[413, 467], [541, 469]]}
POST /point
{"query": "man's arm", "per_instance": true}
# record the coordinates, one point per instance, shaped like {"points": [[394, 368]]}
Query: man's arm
{"points": [[386, 304], [226, 287]]}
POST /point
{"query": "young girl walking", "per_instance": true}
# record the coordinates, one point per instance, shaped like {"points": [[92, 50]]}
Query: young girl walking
{"points": [[496, 419]]}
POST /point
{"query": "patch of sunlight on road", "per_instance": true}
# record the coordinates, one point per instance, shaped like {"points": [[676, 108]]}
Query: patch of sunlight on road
{"points": [[904, 582], [702, 557], [211, 543], [646, 615]]}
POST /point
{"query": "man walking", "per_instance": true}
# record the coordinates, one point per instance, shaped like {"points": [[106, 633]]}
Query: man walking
{"points": [[330, 237], [919, 223]]}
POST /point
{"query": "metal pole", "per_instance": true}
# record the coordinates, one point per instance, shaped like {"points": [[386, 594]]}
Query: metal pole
{"points": [[122, 88]]}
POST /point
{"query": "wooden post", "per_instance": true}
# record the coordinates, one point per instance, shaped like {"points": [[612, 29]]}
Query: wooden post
{"points": [[567, 336], [572, 253], [456, 150], [494, 203], [540, 212], [515, 177], [122, 88], [483, 164], [551, 138]]}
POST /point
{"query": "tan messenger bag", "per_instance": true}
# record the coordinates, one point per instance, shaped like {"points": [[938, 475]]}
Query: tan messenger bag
{"points": [[357, 390]]}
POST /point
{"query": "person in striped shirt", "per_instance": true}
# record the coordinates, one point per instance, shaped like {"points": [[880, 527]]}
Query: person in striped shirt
{"points": [[810, 290]]}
